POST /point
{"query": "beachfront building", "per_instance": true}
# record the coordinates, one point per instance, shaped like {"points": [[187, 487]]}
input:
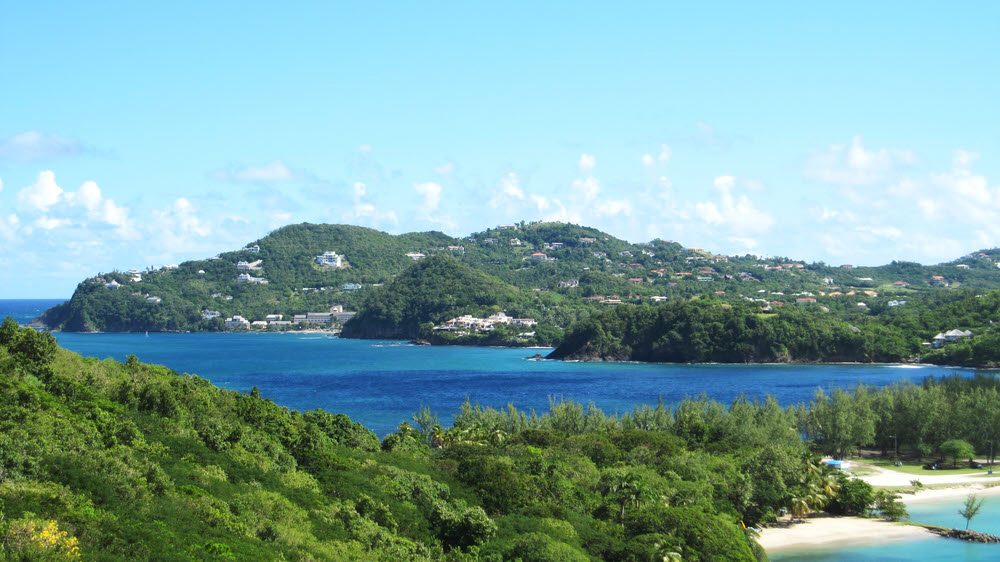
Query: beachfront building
{"points": [[468, 322], [237, 322]]}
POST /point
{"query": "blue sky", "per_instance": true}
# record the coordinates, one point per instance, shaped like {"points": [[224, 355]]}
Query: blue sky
{"points": [[132, 135]]}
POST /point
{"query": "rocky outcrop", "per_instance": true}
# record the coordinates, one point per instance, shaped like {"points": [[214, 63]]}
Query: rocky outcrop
{"points": [[962, 534]]}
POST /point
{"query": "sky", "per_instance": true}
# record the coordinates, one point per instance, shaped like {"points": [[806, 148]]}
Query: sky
{"points": [[853, 132]]}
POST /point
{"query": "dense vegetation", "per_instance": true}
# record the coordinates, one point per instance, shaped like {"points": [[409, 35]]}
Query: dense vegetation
{"points": [[919, 419], [117, 461], [713, 330], [439, 288]]}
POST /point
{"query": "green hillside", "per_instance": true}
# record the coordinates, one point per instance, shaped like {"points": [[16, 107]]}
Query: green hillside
{"points": [[555, 273]]}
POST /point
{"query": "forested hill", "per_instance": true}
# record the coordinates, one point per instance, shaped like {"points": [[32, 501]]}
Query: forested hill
{"points": [[572, 271], [712, 330], [432, 291]]}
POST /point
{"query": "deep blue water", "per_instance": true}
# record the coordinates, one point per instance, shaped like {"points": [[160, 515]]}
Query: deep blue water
{"points": [[382, 383], [25, 311]]}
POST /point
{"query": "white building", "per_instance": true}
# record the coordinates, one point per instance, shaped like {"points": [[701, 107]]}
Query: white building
{"points": [[330, 259], [237, 323]]}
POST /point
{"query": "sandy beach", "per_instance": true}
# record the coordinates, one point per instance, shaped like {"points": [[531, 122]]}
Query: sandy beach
{"points": [[823, 531], [820, 532]]}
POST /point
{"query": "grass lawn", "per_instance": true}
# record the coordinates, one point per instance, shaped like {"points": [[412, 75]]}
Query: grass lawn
{"points": [[915, 468]]}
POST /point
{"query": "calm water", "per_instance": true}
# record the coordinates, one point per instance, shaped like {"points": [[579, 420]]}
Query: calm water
{"points": [[932, 548], [381, 383]]}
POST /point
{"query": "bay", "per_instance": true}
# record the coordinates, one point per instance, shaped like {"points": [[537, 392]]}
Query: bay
{"points": [[382, 383]]}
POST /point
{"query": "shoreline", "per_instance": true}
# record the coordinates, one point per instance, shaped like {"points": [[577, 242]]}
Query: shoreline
{"points": [[828, 531]]}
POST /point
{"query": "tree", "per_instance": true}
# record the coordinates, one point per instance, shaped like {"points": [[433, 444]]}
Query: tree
{"points": [[956, 449], [889, 506], [970, 508]]}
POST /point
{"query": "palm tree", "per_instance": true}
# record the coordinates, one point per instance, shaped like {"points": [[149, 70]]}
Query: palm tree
{"points": [[437, 436], [800, 507], [404, 428], [627, 488]]}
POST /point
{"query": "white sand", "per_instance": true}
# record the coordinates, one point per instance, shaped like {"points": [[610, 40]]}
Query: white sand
{"points": [[820, 532], [826, 532]]}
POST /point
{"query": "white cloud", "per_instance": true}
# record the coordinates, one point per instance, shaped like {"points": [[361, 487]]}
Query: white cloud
{"points": [[648, 160], [614, 207], [510, 185], [961, 158], [359, 191], [274, 171], [42, 194], [587, 162], [854, 165], [589, 188], [890, 232], [1, 184], [34, 145], [89, 195], [735, 213], [665, 154], [114, 214], [445, 169], [48, 223], [365, 148], [431, 193]]}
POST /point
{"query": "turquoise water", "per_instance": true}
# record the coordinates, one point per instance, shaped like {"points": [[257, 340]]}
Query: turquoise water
{"points": [[944, 513]]}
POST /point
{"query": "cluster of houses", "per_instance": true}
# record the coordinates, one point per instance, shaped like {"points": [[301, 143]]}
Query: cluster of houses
{"points": [[468, 323], [951, 336], [277, 321]]}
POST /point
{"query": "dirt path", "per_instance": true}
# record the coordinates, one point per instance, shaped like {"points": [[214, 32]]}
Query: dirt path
{"points": [[887, 477]]}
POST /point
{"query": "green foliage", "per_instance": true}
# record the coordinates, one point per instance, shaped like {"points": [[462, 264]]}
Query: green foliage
{"points": [[887, 505], [854, 498], [957, 449], [970, 508]]}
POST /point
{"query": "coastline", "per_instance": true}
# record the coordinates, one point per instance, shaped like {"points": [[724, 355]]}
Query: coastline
{"points": [[825, 531], [828, 532]]}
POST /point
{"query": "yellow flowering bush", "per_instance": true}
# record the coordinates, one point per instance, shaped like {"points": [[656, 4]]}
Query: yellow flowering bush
{"points": [[41, 540]]}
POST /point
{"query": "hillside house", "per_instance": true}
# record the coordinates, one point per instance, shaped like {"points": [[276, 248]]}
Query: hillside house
{"points": [[349, 287], [330, 259], [585, 240], [415, 256], [153, 300], [951, 336]]}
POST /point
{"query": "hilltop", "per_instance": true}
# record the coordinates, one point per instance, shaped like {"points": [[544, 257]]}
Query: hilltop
{"points": [[552, 273]]}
